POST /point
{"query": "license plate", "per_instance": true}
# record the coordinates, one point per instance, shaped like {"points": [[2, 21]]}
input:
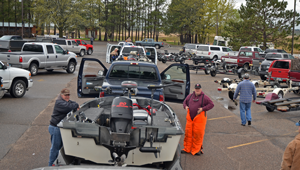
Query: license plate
{"points": [[279, 79], [132, 94]]}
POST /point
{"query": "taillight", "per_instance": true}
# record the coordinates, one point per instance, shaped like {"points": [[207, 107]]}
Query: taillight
{"points": [[20, 59], [219, 89], [209, 53], [261, 94], [161, 98], [101, 94], [9, 50], [238, 60]]}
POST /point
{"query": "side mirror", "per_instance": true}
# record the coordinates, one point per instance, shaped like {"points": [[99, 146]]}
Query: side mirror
{"points": [[100, 73], [4, 67]]}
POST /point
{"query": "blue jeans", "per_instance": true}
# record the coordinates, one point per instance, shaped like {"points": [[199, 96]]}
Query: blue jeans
{"points": [[245, 107], [56, 143]]}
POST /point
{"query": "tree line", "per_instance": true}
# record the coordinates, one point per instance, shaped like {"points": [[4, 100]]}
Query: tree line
{"points": [[193, 21]]}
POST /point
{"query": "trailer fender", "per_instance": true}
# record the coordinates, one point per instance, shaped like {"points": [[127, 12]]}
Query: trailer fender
{"points": [[279, 92], [233, 86], [255, 83]]}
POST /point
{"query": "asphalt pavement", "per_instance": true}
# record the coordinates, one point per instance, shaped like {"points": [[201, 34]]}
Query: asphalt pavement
{"points": [[25, 141]]}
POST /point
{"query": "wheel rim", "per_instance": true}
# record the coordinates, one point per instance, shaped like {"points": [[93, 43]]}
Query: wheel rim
{"points": [[90, 51], [157, 46], [280, 95], [33, 70], [81, 53], [246, 67], [72, 67], [19, 89]]}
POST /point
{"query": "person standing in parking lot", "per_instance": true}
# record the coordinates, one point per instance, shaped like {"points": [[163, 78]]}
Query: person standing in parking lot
{"points": [[196, 105], [63, 105], [291, 155], [92, 39], [247, 92]]}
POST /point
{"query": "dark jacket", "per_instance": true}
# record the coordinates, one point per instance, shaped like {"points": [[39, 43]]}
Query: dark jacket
{"points": [[61, 109], [194, 102]]}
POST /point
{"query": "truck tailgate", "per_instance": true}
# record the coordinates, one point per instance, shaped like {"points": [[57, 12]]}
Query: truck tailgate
{"points": [[294, 75]]}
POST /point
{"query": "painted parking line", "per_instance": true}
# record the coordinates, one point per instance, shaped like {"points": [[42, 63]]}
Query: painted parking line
{"points": [[221, 117], [250, 143], [41, 80]]}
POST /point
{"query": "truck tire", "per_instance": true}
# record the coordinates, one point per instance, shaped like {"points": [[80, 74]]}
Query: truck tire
{"points": [[90, 51], [81, 53], [18, 89], [280, 94], [164, 61], [33, 68], [71, 67], [157, 46]]}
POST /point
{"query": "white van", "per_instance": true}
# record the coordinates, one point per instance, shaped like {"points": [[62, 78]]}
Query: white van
{"points": [[214, 52], [150, 52]]}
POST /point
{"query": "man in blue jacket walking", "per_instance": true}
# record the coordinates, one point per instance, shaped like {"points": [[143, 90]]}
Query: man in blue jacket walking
{"points": [[247, 92], [62, 107]]}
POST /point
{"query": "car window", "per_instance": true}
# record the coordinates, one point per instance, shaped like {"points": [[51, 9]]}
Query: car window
{"points": [[291, 57], [74, 43], [215, 48], [260, 50], [221, 43], [150, 41], [226, 49], [83, 42], [77, 41], [69, 42], [140, 72], [242, 53], [33, 48], [190, 47], [281, 65], [270, 56], [178, 72], [50, 49], [127, 50], [58, 49], [285, 56], [245, 49], [257, 55], [202, 48], [60, 42], [248, 54], [255, 49]]}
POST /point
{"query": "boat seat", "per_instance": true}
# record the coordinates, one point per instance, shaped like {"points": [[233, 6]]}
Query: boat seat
{"points": [[140, 116], [287, 103]]}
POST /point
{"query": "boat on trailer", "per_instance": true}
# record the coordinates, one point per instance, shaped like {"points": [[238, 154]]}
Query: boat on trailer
{"points": [[122, 131]]}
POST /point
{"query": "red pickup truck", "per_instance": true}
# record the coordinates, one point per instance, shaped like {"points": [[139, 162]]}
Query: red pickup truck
{"points": [[243, 59], [89, 47], [279, 69]]}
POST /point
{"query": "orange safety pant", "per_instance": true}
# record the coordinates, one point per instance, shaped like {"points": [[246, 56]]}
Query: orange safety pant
{"points": [[194, 132]]}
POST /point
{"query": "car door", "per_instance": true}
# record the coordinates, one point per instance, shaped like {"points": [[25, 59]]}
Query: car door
{"points": [[75, 47], [178, 74], [152, 55], [109, 49], [90, 78], [60, 57], [51, 57]]}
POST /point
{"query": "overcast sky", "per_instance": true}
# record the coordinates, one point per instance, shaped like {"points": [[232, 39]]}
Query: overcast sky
{"points": [[290, 6]]}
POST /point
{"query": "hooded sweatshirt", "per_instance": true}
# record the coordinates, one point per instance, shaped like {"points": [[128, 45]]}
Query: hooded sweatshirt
{"points": [[194, 102], [61, 109]]}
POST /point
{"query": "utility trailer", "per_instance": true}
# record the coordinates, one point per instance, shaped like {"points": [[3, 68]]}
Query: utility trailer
{"points": [[272, 102], [219, 67], [231, 86]]}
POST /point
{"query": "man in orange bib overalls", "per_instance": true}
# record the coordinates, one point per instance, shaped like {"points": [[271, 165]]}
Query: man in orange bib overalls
{"points": [[196, 105]]}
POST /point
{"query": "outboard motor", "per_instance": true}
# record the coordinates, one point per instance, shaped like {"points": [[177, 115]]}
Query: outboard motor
{"points": [[121, 115]]}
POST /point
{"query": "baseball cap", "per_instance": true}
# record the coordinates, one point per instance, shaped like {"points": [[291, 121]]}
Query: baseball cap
{"points": [[197, 86], [298, 123], [246, 76], [65, 91]]}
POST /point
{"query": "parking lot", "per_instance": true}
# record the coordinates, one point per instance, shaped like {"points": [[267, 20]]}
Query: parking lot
{"points": [[227, 144]]}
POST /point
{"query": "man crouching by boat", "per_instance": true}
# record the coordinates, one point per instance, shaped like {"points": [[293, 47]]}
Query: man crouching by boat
{"points": [[196, 105]]}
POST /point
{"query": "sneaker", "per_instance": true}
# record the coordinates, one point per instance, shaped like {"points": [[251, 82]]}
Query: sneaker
{"points": [[242, 124], [249, 122], [183, 151]]}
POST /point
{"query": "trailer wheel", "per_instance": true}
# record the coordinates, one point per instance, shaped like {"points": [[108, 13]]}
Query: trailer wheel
{"points": [[262, 77], [246, 66], [213, 73], [207, 70], [196, 62], [163, 60], [182, 61], [176, 58], [215, 58], [230, 95], [241, 72], [280, 94], [296, 91], [270, 109]]}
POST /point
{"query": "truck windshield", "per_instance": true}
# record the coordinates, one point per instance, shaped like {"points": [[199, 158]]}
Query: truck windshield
{"points": [[138, 72], [271, 56], [127, 50]]}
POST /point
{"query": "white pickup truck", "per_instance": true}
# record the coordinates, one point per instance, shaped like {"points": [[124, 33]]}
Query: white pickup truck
{"points": [[36, 56], [16, 81], [71, 45]]}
